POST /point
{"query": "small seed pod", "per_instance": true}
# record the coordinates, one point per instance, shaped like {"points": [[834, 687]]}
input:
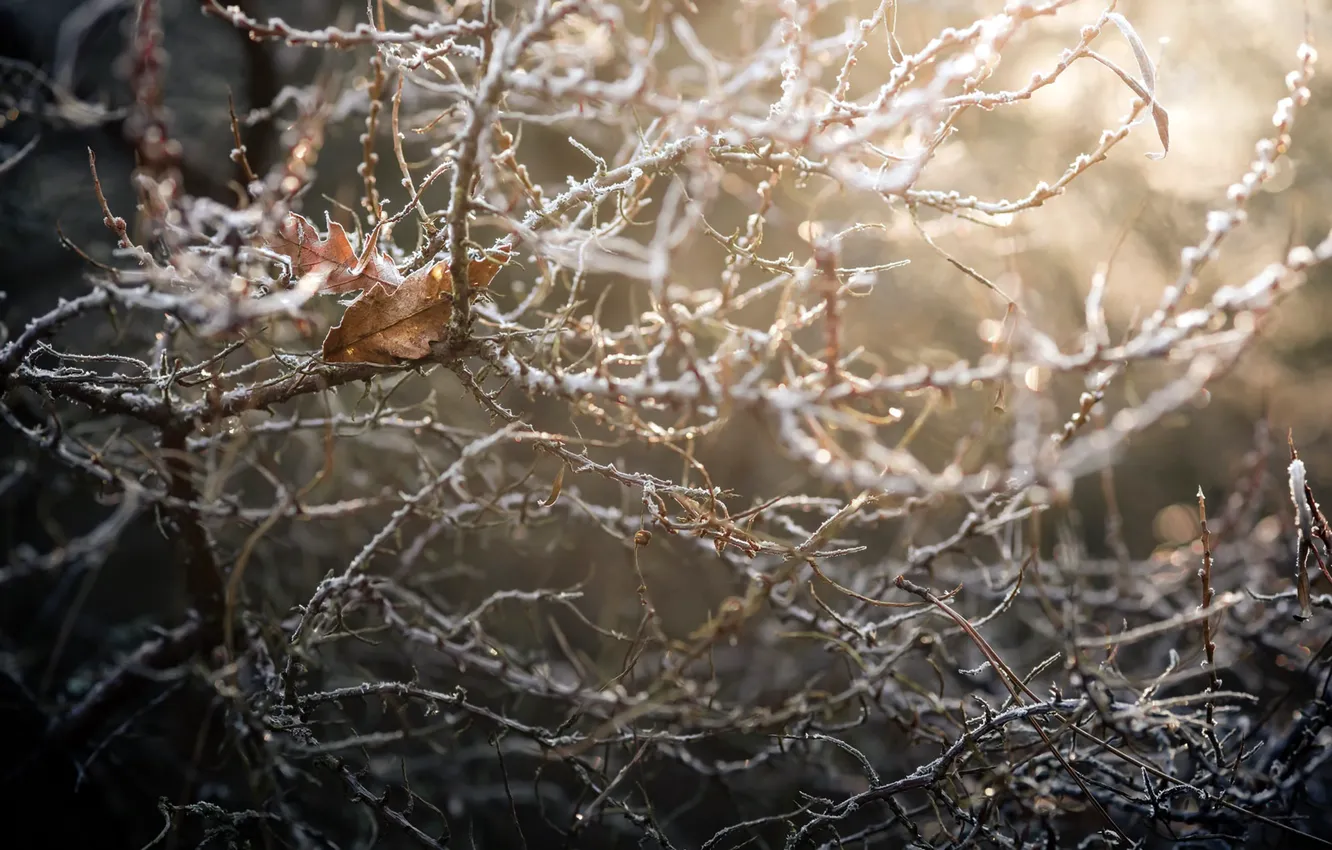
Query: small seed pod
{"points": [[642, 537]]}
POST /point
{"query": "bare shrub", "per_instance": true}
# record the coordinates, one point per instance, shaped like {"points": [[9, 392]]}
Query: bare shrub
{"points": [[582, 469]]}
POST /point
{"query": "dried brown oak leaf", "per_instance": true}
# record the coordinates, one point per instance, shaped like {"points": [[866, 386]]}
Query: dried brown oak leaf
{"points": [[310, 253], [388, 324]]}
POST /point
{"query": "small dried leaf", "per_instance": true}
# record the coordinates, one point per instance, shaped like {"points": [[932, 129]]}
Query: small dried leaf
{"points": [[309, 252], [481, 272], [387, 325], [555, 487]]}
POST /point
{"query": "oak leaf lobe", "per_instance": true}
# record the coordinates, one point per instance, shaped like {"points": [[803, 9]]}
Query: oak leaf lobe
{"points": [[299, 240]]}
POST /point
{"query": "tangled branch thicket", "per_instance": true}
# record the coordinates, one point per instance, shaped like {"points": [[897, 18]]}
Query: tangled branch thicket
{"points": [[639, 544]]}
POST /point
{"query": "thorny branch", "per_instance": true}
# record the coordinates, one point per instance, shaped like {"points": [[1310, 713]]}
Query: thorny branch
{"points": [[225, 419]]}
